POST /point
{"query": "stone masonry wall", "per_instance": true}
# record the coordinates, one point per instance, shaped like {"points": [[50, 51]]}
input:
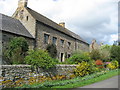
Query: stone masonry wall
{"points": [[12, 72]]}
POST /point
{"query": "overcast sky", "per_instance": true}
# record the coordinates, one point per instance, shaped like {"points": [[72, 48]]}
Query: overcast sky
{"points": [[91, 19]]}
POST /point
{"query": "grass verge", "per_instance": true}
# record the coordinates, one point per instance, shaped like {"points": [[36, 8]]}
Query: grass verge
{"points": [[76, 82], [91, 81]]}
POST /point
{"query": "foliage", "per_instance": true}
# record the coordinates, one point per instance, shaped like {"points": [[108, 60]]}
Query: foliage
{"points": [[76, 82], [84, 68], [107, 47], [16, 51], [78, 58], [77, 52], [105, 52], [98, 62], [52, 50], [115, 53], [40, 58], [113, 65], [95, 54]]}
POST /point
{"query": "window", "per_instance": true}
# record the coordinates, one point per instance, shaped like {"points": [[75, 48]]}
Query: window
{"points": [[54, 40], [62, 42], [46, 38], [69, 44], [62, 57]]}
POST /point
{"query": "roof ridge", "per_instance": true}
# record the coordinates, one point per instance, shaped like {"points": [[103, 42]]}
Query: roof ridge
{"points": [[41, 18]]}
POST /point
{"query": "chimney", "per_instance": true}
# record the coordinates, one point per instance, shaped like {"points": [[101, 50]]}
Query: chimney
{"points": [[22, 3], [62, 24]]}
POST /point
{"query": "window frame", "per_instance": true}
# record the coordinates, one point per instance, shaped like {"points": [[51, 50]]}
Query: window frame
{"points": [[54, 39], [46, 40]]}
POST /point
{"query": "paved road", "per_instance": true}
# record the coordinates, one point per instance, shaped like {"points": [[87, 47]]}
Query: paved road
{"points": [[109, 83]]}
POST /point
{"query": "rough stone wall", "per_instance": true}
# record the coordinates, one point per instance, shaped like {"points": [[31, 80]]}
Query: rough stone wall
{"points": [[26, 19], [12, 72], [44, 29]]}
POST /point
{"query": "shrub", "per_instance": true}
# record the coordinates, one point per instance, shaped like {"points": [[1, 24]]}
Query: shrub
{"points": [[16, 51], [84, 68], [98, 62], [105, 52], [40, 58], [115, 53], [51, 48], [113, 65], [78, 58], [95, 54]]}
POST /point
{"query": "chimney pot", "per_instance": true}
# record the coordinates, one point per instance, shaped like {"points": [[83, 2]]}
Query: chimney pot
{"points": [[62, 24]]}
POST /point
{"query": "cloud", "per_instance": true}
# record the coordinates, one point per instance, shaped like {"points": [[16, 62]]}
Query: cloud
{"points": [[113, 37], [89, 18]]}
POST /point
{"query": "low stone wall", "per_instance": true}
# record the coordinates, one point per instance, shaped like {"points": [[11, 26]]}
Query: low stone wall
{"points": [[12, 72]]}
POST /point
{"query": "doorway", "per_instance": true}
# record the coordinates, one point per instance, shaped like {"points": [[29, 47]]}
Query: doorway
{"points": [[62, 57]]}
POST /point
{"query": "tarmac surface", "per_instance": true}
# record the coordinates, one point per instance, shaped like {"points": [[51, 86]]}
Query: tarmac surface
{"points": [[109, 83]]}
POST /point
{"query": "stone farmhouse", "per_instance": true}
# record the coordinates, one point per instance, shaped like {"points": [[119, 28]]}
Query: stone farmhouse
{"points": [[41, 31]]}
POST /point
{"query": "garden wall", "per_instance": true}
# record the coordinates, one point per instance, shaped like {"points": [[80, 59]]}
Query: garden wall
{"points": [[14, 72]]}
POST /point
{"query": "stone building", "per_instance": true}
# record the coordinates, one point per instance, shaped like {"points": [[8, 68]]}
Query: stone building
{"points": [[13, 28], [45, 31]]}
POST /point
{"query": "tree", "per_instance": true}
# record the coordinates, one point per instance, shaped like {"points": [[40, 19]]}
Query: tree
{"points": [[95, 54], [105, 52], [115, 53], [16, 51], [51, 48], [40, 59], [78, 57]]}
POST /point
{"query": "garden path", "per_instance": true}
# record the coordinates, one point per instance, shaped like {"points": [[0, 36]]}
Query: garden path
{"points": [[109, 83]]}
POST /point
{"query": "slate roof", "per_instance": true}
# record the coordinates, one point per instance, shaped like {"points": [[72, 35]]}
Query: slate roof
{"points": [[14, 26], [52, 24]]}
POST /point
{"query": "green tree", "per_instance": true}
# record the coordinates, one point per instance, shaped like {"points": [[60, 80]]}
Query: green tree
{"points": [[78, 58], [105, 52], [95, 54], [115, 53], [51, 48], [16, 50], [40, 59]]}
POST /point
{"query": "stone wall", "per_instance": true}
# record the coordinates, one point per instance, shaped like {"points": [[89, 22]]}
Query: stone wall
{"points": [[14, 72]]}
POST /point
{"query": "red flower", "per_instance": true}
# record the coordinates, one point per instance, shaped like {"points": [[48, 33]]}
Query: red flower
{"points": [[98, 62]]}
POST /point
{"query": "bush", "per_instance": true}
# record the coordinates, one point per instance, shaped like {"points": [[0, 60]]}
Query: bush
{"points": [[78, 58], [98, 62], [85, 68], [113, 65], [16, 51], [95, 54], [51, 48], [40, 58], [105, 52], [115, 53]]}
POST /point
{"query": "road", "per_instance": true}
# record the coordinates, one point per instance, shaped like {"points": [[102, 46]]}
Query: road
{"points": [[109, 83]]}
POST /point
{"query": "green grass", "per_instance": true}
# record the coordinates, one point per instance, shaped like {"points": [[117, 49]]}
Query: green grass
{"points": [[76, 82], [90, 81]]}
